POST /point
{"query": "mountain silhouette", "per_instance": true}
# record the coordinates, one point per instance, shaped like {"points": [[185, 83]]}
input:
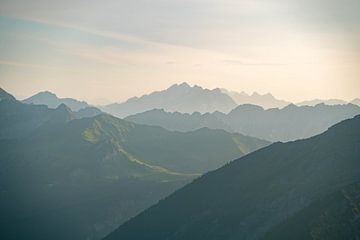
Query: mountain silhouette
{"points": [[250, 196], [5, 95], [319, 101], [62, 177], [286, 124], [266, 100], [52, 101], [179, 97]]}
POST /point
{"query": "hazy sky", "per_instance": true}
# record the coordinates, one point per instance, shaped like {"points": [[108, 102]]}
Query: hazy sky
{"points": [[96, 50]]}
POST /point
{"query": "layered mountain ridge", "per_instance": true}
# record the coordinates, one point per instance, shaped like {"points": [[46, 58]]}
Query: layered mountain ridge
{"points": [[289, 123], [178, 97], [53, 101], [79, 178], [252, 196]]}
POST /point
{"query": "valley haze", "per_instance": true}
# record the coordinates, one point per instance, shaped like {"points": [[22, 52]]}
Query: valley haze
{"points": [[180, 120]]}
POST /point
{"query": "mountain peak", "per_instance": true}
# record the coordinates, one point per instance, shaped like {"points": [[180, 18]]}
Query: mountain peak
{"points": [[248, 107], [269, 95], [5, 95], [255, 94], [63, 106], [47, 94], [62, 114], [179, 86], [290, 106], [53, 101], [184, 84], [177, 98]]}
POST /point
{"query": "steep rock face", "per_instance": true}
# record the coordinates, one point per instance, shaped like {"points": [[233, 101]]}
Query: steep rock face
{"points": [[248, 197], [182, 98]]}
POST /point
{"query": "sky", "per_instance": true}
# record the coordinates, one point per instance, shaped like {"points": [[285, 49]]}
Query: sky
{"points": [[111, 50]]}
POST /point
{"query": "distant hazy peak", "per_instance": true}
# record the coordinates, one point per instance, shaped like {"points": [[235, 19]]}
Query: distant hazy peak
{"points": [[356, 101], [325, 101], [53, 101], [177, 98], [181, 85], [47, 93], [247, 107], [265, 100], [63, 107], [5, 95]]}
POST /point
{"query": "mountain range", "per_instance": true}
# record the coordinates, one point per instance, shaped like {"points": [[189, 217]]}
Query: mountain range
{"points": [[319, 101], [266, 100], [306, 189], [286, 124], [181, 98], [178, 97], [52, 101], [65, 177]]}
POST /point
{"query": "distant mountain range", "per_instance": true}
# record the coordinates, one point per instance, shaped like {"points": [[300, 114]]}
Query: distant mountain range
{"points": [[52, 101], [306, 189], [181, 98], [319, 101], [286, 124], [266, 101], [65, 177]]}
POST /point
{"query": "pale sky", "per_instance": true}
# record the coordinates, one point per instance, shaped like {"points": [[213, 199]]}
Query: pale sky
{"points": [[112, 50]]}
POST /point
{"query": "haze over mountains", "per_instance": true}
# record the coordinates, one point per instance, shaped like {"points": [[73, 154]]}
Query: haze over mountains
{"points": [[79, 174], [304, 185], [319, 101], [266, 101], [52, 101], [181, 98], [286, 124], [101, 138], [79, 178]]}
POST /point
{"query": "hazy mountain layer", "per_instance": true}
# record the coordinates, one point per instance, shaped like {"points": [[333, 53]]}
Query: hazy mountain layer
{"points": [[68, 178], [248, 197], [181, 98], [319, 101], [286, 124], [266, 101], [52, 101]]}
